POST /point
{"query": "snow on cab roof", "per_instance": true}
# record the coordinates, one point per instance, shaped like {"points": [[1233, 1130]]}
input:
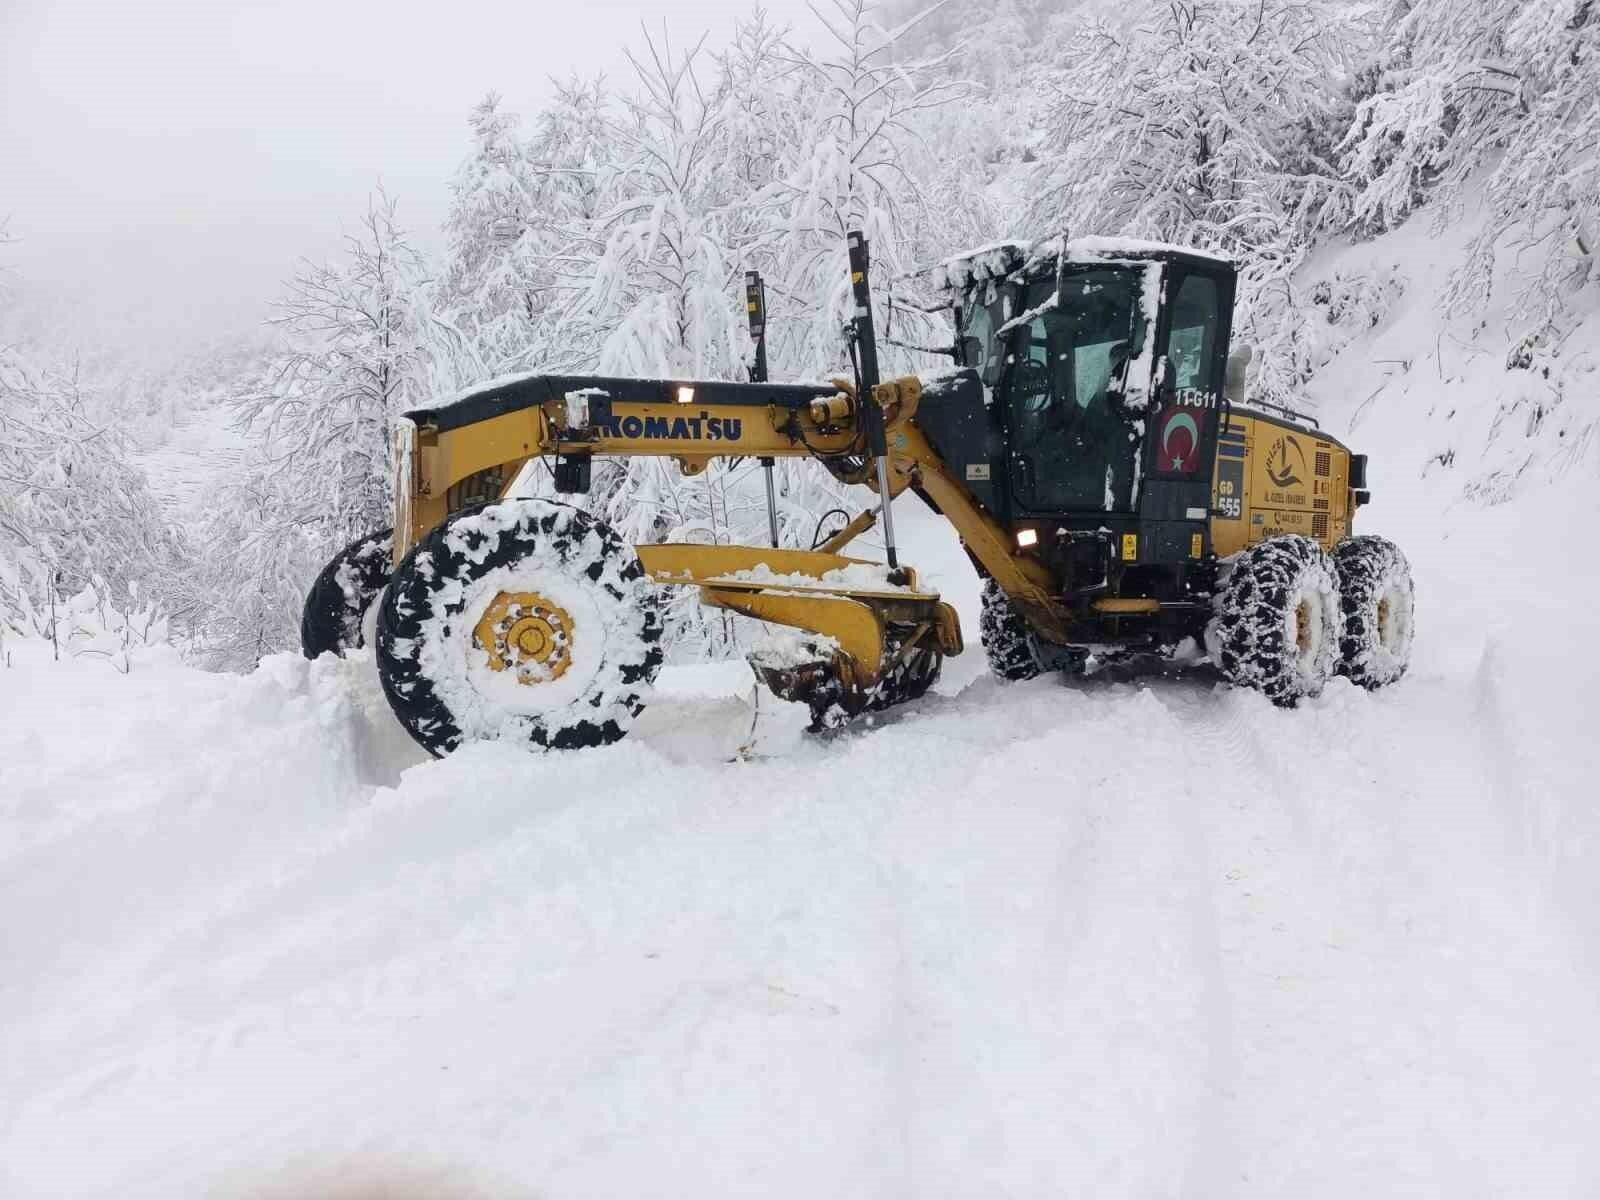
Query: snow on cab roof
{"points": [[998, 259], [1090, 248]]}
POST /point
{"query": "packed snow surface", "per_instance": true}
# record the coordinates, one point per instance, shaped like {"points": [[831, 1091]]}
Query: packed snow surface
{"points": [[1112, 939]]}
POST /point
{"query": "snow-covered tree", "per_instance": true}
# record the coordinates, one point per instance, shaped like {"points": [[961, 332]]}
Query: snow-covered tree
{"points": [[663, 297], [355, 361], [489, 277], [851, 171], [1444, 97], [1193, 128], [75, 509], [1544, 192], [1509, 87], [520, 229], [252, 584], [664, 288], [761, 125], [365, 341]]}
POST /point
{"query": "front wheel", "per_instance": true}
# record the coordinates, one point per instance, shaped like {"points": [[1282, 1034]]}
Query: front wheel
{"points": [[1007, 644], [525, 620], [1276, 627]]}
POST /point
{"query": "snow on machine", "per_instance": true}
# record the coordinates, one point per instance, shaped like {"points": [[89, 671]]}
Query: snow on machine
{"points": [[1092, 451]]}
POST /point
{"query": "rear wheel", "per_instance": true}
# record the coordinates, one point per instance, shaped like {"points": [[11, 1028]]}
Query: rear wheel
{"points": [[343, 594], [1376, 600], [524, 620], [1276, 627], [1007, 644]]}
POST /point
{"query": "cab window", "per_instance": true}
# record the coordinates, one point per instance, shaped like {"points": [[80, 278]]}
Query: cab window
{"points": [[980, 347], [1192, 341]]}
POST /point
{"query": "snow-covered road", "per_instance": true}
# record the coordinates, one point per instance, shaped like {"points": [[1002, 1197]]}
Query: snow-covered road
{"points": [[1107, 939]]}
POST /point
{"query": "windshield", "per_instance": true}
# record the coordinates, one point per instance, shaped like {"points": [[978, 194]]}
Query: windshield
{"points": [[1066, 360]]}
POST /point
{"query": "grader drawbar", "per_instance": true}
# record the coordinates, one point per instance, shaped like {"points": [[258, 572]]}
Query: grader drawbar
{"points": [[1089, 450]]}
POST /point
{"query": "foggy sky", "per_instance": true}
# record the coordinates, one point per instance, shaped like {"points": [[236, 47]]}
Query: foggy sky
{"points": [[167, 161]]}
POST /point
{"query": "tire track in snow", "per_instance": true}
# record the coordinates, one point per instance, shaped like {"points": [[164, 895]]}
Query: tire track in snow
{"points": [[1080, 979], [1358, 910]]}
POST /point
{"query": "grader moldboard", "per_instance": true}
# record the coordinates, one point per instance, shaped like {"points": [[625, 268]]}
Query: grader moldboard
{"points": [[1091, 449]]}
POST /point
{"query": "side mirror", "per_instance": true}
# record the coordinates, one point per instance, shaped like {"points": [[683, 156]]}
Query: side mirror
{"points": [[973, 354], [1238, 367]]}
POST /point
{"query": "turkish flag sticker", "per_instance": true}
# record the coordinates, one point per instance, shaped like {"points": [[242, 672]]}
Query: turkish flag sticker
{"points": [[1178, 442]]}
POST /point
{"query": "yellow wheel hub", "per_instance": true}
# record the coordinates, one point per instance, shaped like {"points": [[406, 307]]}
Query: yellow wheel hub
{"points": [[526, 633], [1303, 633]]}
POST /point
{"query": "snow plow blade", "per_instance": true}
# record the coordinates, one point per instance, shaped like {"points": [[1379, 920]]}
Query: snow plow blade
{"points": [[814, 672], [870, 637]]}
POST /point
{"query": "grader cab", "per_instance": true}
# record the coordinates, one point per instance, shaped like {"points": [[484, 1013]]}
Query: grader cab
{"points": [[1091, 451]]}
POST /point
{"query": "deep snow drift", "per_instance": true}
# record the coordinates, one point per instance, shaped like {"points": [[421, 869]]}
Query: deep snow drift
{"points": [[1111, 939]]}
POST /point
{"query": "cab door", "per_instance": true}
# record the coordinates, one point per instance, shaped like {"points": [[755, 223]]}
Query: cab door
{"points": [[1072, 447], [1192, 354]]}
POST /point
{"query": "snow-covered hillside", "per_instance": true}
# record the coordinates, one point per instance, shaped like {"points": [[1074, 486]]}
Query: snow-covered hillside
{"points": [[198, 456], [1488, 402]]}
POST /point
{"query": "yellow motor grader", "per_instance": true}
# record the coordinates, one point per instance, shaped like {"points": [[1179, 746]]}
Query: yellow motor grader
{"points": [[1090, 448]]}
